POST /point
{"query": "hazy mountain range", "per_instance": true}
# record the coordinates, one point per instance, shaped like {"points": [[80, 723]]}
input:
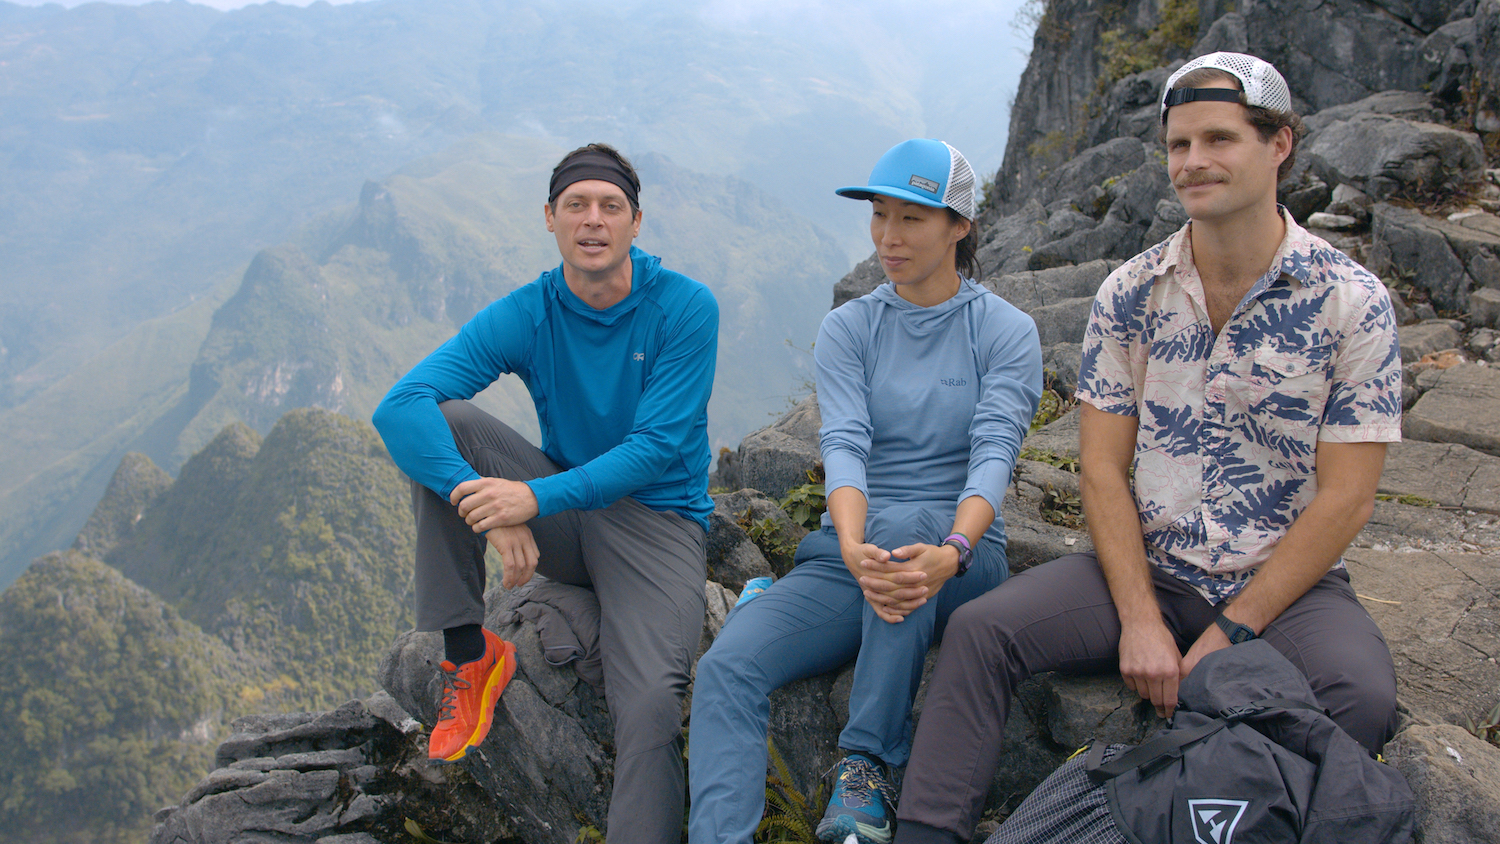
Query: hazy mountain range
{"points": [[150, 152]]}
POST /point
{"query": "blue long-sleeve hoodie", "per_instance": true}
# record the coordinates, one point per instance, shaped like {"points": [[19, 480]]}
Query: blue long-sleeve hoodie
{"points": [[926, 406], [621, 393]]}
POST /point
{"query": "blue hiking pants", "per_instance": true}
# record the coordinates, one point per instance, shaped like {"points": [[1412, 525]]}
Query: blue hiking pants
{"points": [[810, 622]]}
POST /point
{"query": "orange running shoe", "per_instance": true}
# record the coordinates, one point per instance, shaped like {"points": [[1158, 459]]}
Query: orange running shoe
{"points": [[467, 706]]}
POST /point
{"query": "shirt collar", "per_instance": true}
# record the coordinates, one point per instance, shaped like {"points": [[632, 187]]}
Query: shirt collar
{"points": [[1292, 258]]}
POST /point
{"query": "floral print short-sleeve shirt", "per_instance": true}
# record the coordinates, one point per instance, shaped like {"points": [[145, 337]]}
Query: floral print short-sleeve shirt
{"points": [[1229, 424]]}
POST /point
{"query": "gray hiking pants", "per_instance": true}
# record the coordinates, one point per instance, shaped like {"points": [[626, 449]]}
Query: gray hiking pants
{"points": [[647, 567], [1059, 616]]}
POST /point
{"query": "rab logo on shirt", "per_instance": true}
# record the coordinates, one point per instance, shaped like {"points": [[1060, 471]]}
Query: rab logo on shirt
{"points": [[952, 382], [1214, 820]]}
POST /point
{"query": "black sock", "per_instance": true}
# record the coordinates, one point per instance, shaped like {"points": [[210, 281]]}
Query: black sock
{"points": [[464, 643]]}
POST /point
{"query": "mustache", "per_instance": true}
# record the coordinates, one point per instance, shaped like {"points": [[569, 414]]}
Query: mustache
{"points": [[1200, 179]]}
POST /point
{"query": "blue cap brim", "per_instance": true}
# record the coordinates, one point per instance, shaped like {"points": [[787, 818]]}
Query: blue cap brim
{"points": [[895, 193]]}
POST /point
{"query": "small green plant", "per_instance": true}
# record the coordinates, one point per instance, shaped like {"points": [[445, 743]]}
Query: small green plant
{"points": [[806, 503], [1488, 727], [772, 540], [415, 831], [1408, 499], [790, 815], [1051, 458], [1051, 408], [1124, 52], [1062, 508]]}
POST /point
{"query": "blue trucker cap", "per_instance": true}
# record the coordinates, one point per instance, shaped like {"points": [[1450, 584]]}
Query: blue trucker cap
{"points": [[923, 171]]}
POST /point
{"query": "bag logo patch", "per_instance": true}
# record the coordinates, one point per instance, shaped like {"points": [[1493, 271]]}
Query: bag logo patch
{"points": [[1214, 820]]}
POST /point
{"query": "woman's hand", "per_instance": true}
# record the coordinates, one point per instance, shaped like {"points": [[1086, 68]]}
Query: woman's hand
{"points": [[906, 578]]}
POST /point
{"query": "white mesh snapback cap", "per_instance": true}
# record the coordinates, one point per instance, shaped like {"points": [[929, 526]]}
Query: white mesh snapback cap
{"points": [[1263, 84], [923, 171]]}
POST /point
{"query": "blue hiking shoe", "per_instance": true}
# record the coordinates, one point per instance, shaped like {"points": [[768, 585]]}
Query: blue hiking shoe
{"points": [[863, 803]]}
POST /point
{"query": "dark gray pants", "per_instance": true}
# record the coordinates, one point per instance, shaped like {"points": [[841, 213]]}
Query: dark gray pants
{"points": [[1060, 617], [647, 567]]}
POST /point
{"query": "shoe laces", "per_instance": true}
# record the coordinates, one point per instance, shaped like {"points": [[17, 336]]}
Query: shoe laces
{"points": [[862, 779], [452, 685]]}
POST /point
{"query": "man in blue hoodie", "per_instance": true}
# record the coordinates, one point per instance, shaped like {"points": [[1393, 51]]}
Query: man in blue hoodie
{"points": [[618, 355]]}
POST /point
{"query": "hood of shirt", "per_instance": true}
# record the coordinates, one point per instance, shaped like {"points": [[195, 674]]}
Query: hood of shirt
{"points": [[645, 269], [921, 320]]}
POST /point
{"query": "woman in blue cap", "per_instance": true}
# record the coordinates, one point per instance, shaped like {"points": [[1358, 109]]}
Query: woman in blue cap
{"points": [[926, 387]]}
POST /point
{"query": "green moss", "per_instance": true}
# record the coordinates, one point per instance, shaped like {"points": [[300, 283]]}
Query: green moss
{"points": [[1124, 52]]}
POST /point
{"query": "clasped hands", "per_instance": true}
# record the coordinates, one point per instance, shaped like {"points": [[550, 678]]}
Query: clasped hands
{"points": [[896, 582], [500, 509]]}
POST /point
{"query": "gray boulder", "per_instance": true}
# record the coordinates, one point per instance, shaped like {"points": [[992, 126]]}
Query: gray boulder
{"points": [[865, 277], [1446, 258], [300, 777], [734, 556], [1484, 308], [1039, 288], [1063, 322], [1426, 337], [1456, 778], [1460, 404], [1386, 156], [1486, 91], [1110, 239], [1449, 52], [777, 457], [1445, 473], [1006, 246], [1440, 615], [1092, 167]]}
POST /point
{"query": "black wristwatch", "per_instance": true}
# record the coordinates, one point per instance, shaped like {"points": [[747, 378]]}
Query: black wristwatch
{"points": [[1236, 632], [965, 553]]}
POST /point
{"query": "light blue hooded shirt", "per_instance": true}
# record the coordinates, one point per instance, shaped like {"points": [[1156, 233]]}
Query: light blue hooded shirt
{"points": [[926, 406]]}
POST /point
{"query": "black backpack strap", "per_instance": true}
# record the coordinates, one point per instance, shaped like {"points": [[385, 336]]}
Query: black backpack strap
{"points": [[1149, 755], [1170, 745]]}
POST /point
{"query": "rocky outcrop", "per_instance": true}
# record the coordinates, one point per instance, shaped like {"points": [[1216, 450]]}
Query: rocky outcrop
{"points": [[1460, 404]]}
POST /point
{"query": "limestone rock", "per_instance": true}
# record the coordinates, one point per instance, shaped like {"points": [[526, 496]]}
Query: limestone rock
{"points": [[1093, 166], [1440, 615], [1456, 778], [1059, 437], [777, 457], [299, 777], [1458, 405], [1385, 156], [732, 557], [1006, 246], [1036, 289], [1445, 473], [1445, 258], [1426, 337], [1486, 93], [865, 276], [1484, 308]]}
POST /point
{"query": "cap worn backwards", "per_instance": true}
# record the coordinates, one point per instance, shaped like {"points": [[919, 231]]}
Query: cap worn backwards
{"points": [[1263, 85], [923, 171]]}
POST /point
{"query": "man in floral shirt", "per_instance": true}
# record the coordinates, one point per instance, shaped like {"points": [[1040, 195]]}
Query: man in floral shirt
{"points": [[1248, 373]]}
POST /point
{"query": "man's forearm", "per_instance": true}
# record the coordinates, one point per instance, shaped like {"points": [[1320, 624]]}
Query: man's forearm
{"points": [[1313, 543], [1115, 528]]}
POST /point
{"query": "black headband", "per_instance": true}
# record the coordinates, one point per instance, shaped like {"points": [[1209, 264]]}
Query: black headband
{"points": [[594, 165], [1178, 96]]}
